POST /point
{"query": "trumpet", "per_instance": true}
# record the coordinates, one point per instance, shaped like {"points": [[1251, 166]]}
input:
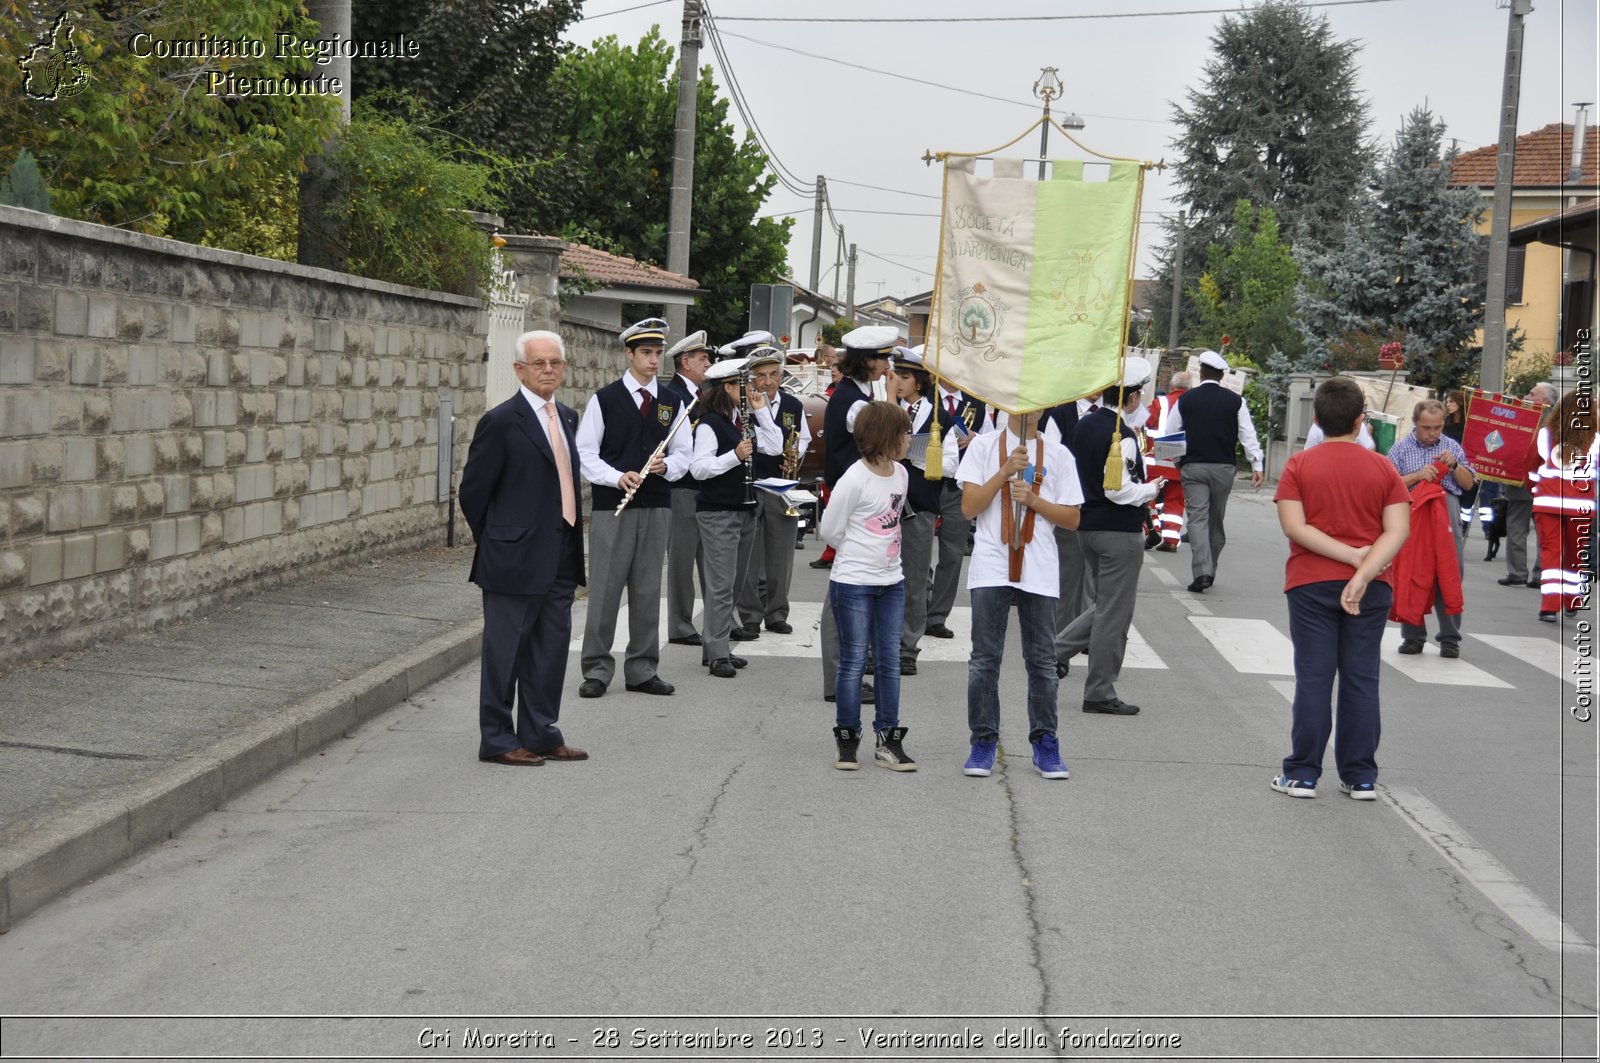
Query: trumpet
{"points": [[659, 452]]}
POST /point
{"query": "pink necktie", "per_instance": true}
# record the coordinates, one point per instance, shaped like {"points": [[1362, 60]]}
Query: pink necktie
{"points": [[558, 446]]}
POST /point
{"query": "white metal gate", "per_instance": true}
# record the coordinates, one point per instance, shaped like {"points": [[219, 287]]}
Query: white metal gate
{"points": [[507, 310]]}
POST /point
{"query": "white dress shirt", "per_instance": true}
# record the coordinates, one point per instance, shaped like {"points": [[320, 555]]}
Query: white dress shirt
{"points": [[1247, 428], [593, 427], [706, 463]]}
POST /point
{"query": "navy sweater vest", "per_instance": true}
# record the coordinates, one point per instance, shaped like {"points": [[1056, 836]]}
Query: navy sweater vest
{"points": [[630, 438]]}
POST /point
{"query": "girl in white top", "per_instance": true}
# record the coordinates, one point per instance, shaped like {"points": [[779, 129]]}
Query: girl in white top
{"points": [[866, 588]]}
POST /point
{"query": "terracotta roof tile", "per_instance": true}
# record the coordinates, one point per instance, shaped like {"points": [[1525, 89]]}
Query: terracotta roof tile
{"points": [[614, 270], [1543, 158]]}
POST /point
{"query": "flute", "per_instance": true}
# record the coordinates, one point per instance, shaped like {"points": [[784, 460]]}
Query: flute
{"points": [[659, 452]]}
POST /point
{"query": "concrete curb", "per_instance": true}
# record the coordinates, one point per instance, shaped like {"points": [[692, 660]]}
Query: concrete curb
{"points": [[90, 839]]}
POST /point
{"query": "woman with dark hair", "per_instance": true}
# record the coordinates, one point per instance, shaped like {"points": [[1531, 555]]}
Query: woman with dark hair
{"points": [[725, 508], [1563, 504]]}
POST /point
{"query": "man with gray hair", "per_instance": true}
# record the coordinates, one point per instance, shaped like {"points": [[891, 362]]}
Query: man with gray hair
{"points": [[1519, 509], [1427, 455]]}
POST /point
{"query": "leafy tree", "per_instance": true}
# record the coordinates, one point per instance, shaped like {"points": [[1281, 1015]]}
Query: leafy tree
{"points": [[616, 134], [23, 185], [1405, 270], [1247, 291], [1278, 120], [405, 193], [833, 334], [486, 69], [155, 144]]}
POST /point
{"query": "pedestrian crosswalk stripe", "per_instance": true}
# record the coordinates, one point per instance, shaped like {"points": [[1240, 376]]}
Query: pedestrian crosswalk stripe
{"points": [[806, 640], [1429, 667], [1546, 655], [1254, 647]]}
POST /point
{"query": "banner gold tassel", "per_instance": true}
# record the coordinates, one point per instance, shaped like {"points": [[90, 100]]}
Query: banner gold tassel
{"points": [[934, 469], [1114, 463]]}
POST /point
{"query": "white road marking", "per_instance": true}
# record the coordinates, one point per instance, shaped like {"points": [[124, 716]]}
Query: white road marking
{"points": [[1284, 687], [1492, 878], [1553, 658], [1164, 576], [1254, 647], [1429, 667]]}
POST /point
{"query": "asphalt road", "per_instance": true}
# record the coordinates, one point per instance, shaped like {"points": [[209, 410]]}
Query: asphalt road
{"points": [[708, 875]]}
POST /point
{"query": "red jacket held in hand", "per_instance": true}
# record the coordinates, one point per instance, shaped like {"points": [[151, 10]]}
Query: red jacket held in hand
{"points": [[1427, 563]]}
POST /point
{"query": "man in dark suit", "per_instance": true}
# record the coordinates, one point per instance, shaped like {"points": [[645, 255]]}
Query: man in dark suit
{"points": [[519, 495]]}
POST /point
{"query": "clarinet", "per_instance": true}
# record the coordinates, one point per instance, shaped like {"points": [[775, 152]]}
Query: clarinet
{"points": [[749, 434]]}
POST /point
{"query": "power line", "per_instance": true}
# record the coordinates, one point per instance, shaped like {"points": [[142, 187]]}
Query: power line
{"points": [[892, 262], [788, 178], [618, 11], [881, 188], [1037, 18]]}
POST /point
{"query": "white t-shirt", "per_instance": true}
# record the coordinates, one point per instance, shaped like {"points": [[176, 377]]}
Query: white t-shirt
{"points": [[862, 524], [990, 565]]}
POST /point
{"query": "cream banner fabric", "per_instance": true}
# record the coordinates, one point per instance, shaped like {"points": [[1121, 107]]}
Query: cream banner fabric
{"points": [[1034, 283]]}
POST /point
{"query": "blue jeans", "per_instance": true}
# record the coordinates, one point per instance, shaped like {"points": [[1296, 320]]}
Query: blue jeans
{"points": [[1329, 641], [868, 614], [991, 610]]}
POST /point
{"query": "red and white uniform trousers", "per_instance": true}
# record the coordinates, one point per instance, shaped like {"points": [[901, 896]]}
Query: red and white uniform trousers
{"points": [[1563, 512]]}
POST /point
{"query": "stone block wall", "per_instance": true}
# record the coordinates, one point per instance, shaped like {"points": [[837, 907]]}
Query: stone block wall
{"points": [[180, 424]]}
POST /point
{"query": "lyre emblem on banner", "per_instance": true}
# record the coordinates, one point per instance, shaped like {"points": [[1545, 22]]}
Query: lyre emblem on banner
{"points": [[1082, 291], [977, 318]]}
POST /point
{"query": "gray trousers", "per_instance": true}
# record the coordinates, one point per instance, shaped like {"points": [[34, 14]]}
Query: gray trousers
{"points": [[684, 559], [625, 553], [1519, 518], [728, 537], [1077, 585], [771, 563], [1114, 559], [952, 548], [1206, 487], [916, 558], [1449, 623]]}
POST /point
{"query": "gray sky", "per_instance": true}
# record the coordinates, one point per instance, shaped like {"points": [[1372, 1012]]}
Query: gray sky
{"points": [[1121, 75]]}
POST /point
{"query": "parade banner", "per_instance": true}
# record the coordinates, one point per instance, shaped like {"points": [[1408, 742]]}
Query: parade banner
{"points": [[1035, 277], [1497, 436]]}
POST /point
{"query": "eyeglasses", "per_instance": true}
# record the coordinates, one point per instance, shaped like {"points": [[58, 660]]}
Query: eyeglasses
{"points": [[557, 364]]}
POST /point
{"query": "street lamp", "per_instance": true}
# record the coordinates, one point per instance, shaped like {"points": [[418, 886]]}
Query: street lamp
{"points": [[1047, 88]]}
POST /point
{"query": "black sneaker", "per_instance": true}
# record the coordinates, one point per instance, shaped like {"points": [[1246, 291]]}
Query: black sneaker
{"points": [[889, 753], [849, 741], [1411, 646], [1449, 649]]}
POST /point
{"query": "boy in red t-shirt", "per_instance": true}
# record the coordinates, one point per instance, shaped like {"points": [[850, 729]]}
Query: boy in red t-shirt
{"points": [[1346, 513]]}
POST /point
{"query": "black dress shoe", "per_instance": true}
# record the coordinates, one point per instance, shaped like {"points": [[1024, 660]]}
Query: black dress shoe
{"points": [[654, 685], [939, 631], [723, 668], [908, 666], [591, 688], [1111, 707], [1063, 669], [868, 695], [780, 627], [691, 639], [1533, 581], [744, 634], [1548, 618], [1200, 584], [1509, 581], [1411, 646], [820, 563], [738, 662]]}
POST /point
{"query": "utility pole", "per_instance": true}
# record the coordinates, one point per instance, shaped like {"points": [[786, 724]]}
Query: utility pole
{"points": [[683, 161], [816, 233], [321, 240], [1492, 373], [1177, 282], [838, 265], [850, 288]]}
